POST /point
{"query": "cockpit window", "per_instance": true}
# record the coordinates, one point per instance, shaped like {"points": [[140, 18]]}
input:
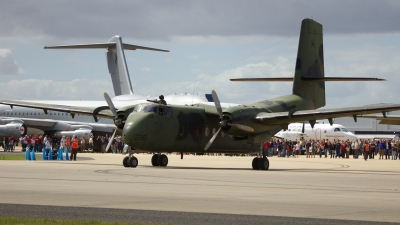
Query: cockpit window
{"points": [[145, 108], [336, 130], [150, 108], [344, 130]]}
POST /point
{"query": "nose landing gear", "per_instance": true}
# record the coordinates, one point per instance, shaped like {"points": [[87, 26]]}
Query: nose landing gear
{"points": [[130, 161]]}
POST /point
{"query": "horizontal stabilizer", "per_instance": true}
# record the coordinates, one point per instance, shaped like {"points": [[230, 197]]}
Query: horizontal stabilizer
{"points": [[316, 79], [104, 45]]}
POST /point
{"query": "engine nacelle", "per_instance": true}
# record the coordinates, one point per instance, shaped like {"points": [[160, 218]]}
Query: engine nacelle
{"points": [[78, 133], [84, 127], [7, 121], [13, 129]]}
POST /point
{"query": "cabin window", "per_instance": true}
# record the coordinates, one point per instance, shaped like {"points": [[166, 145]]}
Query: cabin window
{"points": [[169, 112], [161, 111]]}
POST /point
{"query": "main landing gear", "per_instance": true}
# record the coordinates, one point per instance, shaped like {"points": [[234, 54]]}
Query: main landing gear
{"points": [[261, 163], [159, 160]]}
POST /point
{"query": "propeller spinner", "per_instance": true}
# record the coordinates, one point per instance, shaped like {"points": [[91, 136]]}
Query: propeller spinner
{"points": [[224, 121]]}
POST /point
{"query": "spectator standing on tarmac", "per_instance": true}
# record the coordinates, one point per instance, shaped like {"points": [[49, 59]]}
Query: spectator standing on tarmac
{"points": [[266, 146], [83, 143], [47, 148], [90, 143], [398, 150], [106, 140], [381, 148], [394, 150], [388, 146], [356, 148], [372, 149], [366, 150], [75, 147], [67, 143], [62, 143]]}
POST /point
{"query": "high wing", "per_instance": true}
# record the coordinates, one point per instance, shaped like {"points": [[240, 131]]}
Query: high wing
{"points": [[312, 115], [102, 111], [43, 124], [390, 120]]}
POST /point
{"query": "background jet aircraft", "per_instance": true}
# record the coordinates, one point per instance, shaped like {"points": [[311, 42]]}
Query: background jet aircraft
{"points": [[201, 128], [15, 121], [329, 132]]}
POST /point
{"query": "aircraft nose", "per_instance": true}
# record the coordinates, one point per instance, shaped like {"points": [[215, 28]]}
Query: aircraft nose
{"points": [[135, 130]]}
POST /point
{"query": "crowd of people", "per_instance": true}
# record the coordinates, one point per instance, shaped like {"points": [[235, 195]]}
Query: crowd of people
{"points": [[38, 143], [385, 149]]}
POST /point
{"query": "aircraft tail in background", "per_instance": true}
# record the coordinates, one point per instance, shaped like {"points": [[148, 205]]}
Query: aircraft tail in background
{"points": [[115, 60]]}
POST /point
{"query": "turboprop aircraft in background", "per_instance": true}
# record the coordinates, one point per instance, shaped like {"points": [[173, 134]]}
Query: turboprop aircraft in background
{"points": [[15, 121], [241, 129], [328, 132]]}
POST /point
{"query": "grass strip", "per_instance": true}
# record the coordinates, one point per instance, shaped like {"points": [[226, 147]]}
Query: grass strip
{"points": [[23, 221], [16, 157]]}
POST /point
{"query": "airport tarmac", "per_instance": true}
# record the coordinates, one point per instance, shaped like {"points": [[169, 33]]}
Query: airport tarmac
{"points": [[319, 188]]}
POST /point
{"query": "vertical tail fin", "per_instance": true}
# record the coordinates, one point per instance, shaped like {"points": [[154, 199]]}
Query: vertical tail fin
{"points": [[310, 63], [116, 61]]}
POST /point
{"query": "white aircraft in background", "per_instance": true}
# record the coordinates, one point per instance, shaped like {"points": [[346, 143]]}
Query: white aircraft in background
{"points": [[296, 131], [15, 121]]}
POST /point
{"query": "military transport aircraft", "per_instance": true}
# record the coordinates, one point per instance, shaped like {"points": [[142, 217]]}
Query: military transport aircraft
{"points": [[202, 128]]}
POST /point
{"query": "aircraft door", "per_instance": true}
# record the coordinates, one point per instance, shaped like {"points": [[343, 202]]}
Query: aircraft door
{"points": [[318, 134], [163, 129], [180, 134]]}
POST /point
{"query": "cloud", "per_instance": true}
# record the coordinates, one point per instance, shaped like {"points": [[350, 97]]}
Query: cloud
{"points": [[7, 64], [150, 20], [35, 89], [146, 70]]}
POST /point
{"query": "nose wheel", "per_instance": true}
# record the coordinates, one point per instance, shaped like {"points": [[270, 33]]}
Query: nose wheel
{"points": [[130, 161]]}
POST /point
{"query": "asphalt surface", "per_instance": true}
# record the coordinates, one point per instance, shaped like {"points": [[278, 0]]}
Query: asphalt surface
{"points": [[156, 217], [203, 190]]}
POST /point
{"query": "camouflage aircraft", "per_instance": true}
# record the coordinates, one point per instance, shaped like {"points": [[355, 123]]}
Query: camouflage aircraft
{"points": [[241, 129]]}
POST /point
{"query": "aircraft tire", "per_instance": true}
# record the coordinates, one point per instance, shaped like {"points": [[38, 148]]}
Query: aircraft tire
{"points": [[163, 160], [264, 164], [125, 161], [256, 163], [155, 160], [133, 162]]}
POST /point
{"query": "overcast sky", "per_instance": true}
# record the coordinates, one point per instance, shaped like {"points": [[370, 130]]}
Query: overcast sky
{"points": [[210, 42]]}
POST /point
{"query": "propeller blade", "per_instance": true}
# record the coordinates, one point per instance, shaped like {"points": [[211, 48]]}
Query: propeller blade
{"points": [[212, 139], [217, 103], [302, 129], [110, 104], [110, 140], [242, 127]]}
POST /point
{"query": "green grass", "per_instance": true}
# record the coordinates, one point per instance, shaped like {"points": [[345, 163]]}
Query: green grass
{"points": [[16, 157], [21, 221]]}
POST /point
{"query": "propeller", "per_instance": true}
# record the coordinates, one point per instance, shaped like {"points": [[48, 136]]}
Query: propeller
{"points": [[224, 121], [117, 121], [110, 140]]}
